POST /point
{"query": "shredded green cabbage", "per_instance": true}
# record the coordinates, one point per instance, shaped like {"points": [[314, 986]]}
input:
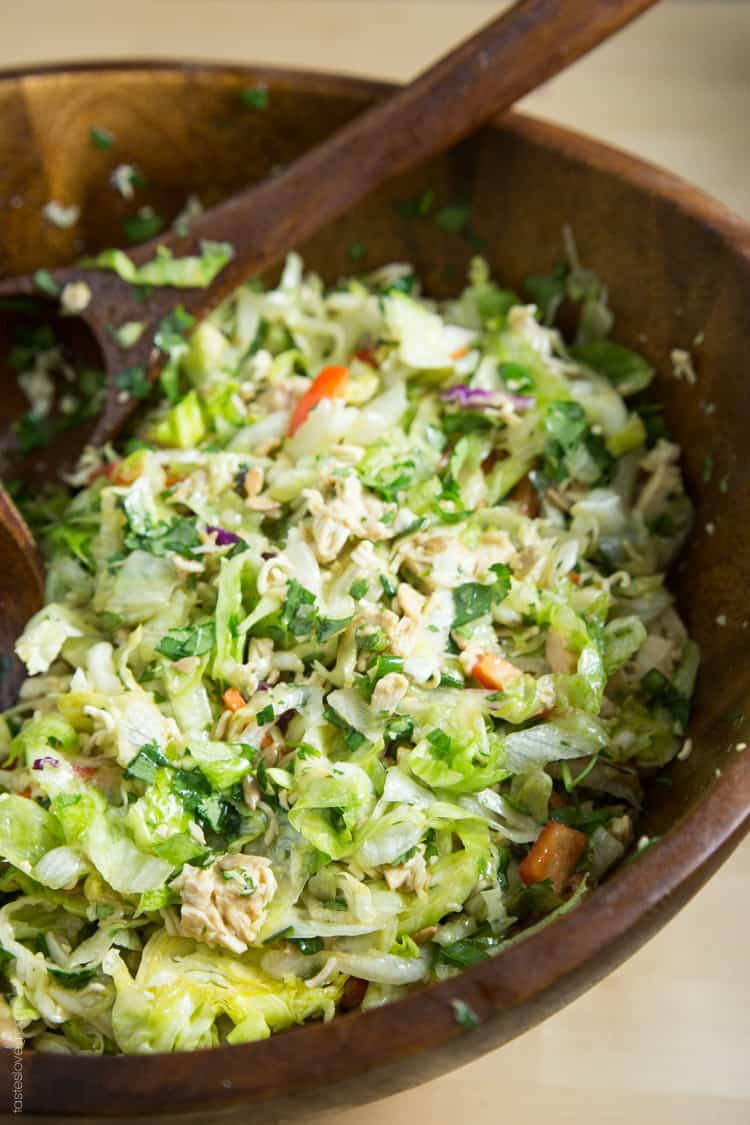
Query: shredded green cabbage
{"points": [[315, 671], [183, 273]]}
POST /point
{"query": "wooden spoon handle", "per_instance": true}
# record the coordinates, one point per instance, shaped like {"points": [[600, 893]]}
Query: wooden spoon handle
{"points": [[514, 54], [21, 590]]}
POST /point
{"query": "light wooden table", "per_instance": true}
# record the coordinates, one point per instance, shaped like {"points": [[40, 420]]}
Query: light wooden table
{"points": [[664, 1040]]}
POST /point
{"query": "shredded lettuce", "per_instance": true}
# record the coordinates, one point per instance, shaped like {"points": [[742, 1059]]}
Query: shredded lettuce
{"points": [[316, 670]]}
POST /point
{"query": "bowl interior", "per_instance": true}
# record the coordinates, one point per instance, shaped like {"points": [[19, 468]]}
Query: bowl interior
{"points": [[677, 267]]}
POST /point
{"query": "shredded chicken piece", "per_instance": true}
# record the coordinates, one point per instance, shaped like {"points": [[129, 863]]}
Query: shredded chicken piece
{"points": [[410, 876], [559, 658], [389, 691], [664, 479], [682, 365], [410, 601], [282, 396], [364, 557], [37, 687], [351, 512], [75, 297], [224, 904], [661, 650]]}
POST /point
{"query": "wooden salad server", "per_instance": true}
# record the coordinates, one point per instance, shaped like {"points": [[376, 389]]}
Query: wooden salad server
{"points": [[515, 53]]}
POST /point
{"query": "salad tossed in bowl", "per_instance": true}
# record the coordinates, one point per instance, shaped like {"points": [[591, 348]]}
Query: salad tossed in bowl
{"points": [[352, 660]]}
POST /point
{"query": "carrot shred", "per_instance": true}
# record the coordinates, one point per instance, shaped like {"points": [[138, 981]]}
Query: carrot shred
{"points": [[233, 699], [328, 383], [85, 772], [494, 671], [554, 856]]}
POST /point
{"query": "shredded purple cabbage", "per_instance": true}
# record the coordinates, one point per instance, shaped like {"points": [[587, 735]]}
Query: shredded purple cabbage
{"points": [[223, 537], [469, 397], [285, 719], [40, 763]]}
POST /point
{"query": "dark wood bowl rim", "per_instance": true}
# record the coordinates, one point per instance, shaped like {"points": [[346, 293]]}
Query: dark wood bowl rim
{"points": [[664, 877]]}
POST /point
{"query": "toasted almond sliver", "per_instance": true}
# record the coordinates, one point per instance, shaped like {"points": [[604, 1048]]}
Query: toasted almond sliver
{"points": [[262, 504], [253, 481]]}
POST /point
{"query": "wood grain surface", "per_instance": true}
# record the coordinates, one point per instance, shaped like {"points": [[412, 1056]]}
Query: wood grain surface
{"points": [[665, 1038]]}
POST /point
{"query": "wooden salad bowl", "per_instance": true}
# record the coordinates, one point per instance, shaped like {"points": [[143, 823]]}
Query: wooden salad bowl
{"points": [[678, 269]]}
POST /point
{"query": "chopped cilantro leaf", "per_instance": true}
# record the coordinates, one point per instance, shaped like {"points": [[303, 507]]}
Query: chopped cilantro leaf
{"points": [[75, 540], [298, 613], [652, 416], [305, 751], [472, 599], [627, 371], [353, 737], [144, 765], [547, 291], [33, 433], [370, 638], [571, 439], [566, 423], [265, 715], [418, 207], [134, 381], [463, 953], [327, 627], [662, 692], [389, 482], [172, 328], [473, 239], [146, 224], [45, 283], [193, 640], [465, 1015], [255, 97], [179, 537], [453, 218], [440, 742], [517, 378], [101, 138], [308, 946], [74, 979]]}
